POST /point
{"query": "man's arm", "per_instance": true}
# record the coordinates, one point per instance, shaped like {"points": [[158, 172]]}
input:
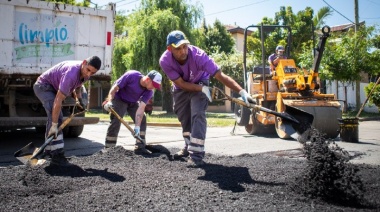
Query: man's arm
{"points": [[228, 81], [112, 92], [187, 86], [140, 114], [57, 106]]}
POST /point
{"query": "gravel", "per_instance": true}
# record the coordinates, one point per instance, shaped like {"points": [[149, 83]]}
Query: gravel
{"points": [[119, 180]]}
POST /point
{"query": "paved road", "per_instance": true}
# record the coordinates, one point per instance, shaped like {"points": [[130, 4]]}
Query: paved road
{"points": [[219, 141]]}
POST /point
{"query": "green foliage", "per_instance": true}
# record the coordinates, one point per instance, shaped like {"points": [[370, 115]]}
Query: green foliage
{"points": [[301, 25], [349, 55], [232, 65], [72, 2], [119, 51], [217, 38], [120, 23], [319, 19], [147, 29], [375, 96]]}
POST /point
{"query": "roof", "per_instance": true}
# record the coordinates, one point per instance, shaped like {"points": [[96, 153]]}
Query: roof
{"points": [[344, 27], [236, 29]]}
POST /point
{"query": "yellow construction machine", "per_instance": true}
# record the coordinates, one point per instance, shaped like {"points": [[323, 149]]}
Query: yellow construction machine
{"points": [[288, 87]]}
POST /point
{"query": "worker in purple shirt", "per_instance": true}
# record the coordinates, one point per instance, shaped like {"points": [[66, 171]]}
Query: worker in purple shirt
{"points": [[274, 58], [51, 88], [130, 93], [190, 68]]}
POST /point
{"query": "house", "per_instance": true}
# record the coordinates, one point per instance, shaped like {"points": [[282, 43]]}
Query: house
{"points": [[347, 91], [238, 35]]}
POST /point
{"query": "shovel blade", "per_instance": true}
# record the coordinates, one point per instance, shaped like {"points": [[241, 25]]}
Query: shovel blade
{"points": [[303, 118], [25, 154]]}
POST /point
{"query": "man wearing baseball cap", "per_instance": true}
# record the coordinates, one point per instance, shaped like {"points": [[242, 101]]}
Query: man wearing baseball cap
{"points": [[130, 93], [274, 58], [190, 68]]}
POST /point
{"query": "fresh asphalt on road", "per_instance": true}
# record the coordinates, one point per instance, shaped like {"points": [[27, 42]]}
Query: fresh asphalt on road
{"points": [[220, 141]]}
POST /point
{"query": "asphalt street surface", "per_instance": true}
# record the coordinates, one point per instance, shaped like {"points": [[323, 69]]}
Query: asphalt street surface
{"points": [[219, 141]]}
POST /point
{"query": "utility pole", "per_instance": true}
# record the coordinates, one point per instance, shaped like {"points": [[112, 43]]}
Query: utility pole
{"points": [[356, 8]]}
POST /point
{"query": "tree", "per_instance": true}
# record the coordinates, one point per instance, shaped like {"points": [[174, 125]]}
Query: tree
{"points": [[301, 25], [218, 39], [120, 23], [147, 30], [319, 19], [347, 58]]}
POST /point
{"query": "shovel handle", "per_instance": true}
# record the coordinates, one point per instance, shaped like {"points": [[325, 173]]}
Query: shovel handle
{"points": [[50, 138], [286, 116], [125, 124]]}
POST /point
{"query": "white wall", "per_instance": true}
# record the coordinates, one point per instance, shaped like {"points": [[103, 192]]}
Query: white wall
{"points": [[331, 87]]}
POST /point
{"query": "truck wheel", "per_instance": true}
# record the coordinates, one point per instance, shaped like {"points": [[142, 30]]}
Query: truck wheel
{"points": [[242, 115], [72, 131], [40, 130], [75, 131]]}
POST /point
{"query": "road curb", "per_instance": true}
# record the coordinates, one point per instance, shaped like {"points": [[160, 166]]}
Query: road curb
{"points": [[156, 124]]}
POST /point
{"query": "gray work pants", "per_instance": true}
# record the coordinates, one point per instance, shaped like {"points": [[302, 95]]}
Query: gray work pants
{"points": [[46, 94], [190, 108], [122, 108]]}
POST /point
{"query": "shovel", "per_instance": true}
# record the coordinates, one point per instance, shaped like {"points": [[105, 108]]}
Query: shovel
{"points": [[29, 154], [298, 119], [148, 147]]}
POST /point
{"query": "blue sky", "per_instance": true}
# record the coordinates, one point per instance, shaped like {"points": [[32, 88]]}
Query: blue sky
{"points": [[247, 12]]}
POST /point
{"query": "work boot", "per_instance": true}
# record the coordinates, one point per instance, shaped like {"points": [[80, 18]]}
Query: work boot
{"points": [[140, 148], [181, 154], [194, 163], [59, 159]]}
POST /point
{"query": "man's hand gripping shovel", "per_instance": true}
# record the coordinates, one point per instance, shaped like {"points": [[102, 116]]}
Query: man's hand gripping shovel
{"points": [[148, 147], [125, 124], [30, 155], [298, 121]]}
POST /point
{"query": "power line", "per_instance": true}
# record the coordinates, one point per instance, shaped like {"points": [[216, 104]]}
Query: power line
{"points": [[127, 3], [114, 3], [338, 12], [236, 8]]}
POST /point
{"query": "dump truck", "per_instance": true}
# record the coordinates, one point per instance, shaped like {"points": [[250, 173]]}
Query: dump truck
{"points": [[36, 35], [287, 86]]}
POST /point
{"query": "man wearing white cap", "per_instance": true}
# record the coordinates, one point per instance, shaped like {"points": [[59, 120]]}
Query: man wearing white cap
{"points": [[130, 93], [190, 68]]}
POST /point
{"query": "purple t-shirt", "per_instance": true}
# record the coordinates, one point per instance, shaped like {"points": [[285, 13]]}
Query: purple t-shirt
{"points": [[130, 90], [273, 56], [199, 66], [65, 76]]}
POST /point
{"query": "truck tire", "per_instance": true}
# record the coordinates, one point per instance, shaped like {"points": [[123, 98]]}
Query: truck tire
{"points": [[242, 114], [74, 131]]}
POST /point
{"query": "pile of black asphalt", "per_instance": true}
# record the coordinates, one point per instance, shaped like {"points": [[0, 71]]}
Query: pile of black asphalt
{"points": [[321, 178]]}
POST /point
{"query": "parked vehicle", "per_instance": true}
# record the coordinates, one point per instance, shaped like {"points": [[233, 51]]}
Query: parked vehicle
{"points": [[34, 36]]}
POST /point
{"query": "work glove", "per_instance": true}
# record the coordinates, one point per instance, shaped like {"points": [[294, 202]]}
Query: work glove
{"points": [[53, 130], [136, 133], [80, 104], [107, 105], [246, 97], [206, 90]]}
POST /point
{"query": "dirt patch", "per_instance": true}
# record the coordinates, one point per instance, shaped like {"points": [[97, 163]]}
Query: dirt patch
{"points": [[119, 180]]}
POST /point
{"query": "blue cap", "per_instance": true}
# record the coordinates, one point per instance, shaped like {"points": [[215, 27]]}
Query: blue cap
{"points": [[176, 38]]}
